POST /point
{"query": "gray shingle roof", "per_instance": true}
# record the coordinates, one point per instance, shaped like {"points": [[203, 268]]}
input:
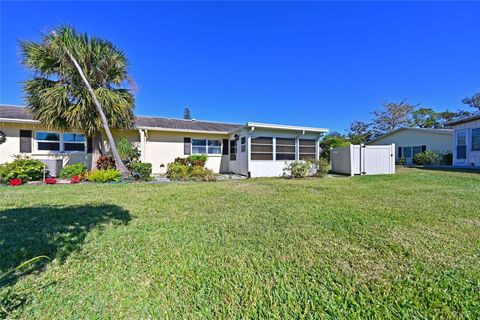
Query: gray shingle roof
{"points": [[15, 112]]}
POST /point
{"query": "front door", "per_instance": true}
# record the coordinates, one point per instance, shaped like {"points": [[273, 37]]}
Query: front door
{"points": [[461, 150]]}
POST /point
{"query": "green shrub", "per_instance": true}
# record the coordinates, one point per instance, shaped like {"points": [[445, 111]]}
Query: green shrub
{"points": [[107, 175], [177, 171], [197, 160], [143, 170], [201, 173], [180, 160], [402, 161], [296, 169], [447, 159], [23, 169], [128, 152], [321, 167], [77, 169], [426, 157]]}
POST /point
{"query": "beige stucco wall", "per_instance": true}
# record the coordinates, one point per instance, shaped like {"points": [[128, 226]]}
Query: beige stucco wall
{"points": [[12, 146], [409, 138], [163, 147], [473, 157]]}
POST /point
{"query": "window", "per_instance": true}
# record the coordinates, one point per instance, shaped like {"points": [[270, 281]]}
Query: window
{"points": [[60, 142], [307, 149], [407, 152], [73, 142], [262, 148], [476, 139], [233, 150], [48, 141], [417, 150], [285, 149], [242, 144], [205, 146]]}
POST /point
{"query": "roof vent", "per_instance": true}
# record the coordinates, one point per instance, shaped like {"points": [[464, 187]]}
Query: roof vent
{"points": [[193, 120]]}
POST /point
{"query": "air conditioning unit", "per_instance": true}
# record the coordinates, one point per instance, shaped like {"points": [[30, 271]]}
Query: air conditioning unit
{"points": [[54, 166]]}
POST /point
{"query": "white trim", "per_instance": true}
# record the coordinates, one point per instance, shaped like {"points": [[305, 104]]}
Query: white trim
{"points": [[10, 120], [285, 127], [181, 130]]}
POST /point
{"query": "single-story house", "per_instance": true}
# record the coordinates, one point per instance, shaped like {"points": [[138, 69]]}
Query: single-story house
{"points": [[466, 141], [410, 141], [252, 149]]}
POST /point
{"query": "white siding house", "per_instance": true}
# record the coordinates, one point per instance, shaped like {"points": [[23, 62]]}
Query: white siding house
{"points": [[466, 141], [410, 141], [252, 149]]}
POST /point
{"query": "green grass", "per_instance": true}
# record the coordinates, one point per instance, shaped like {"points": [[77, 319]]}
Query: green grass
{"points": [[403, 246]]}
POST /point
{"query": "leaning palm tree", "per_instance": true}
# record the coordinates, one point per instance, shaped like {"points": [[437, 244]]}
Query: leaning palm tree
{"points": [[80, 83]]}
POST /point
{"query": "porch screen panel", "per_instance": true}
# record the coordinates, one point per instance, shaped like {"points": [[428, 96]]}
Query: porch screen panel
{"points": [[262, 148], [285, 149], [307, 149]]}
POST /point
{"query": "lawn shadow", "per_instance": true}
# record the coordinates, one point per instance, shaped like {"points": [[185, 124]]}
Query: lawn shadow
{"points": [[52, 231]]}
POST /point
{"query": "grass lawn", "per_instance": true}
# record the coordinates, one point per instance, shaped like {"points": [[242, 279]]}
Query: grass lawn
{"points": [[400, 246]]}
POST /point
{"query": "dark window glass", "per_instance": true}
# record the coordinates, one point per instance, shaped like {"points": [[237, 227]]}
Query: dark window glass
{"points": [[242, 144], [417, 150], [233, 150], [49, 146], [74, 146], [476, 139]]}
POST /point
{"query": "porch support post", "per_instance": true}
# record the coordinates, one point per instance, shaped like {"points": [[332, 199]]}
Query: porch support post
{"points": [[143, 146]]}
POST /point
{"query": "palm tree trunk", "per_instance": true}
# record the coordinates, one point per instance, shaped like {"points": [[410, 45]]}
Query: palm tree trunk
{"points": [[97, 149], [118, 161]]}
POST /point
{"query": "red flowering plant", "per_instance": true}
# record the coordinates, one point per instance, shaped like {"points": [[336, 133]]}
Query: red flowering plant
{"points": [[50, 181], [75, 179], [16, 182]]}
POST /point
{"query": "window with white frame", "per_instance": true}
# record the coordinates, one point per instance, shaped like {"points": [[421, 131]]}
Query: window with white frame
{"points": [[410, 152], [60, 142], [233, 150], [243, 142], [206, 146], [285, 149], [307, 149]]}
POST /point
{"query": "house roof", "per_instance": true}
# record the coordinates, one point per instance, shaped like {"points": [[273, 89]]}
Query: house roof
{"points": [[473, 117], [9, 113], [13, 113], [429, 130]]}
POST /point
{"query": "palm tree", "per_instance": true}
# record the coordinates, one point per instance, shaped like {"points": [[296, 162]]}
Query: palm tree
{"points": [[80, 83]]}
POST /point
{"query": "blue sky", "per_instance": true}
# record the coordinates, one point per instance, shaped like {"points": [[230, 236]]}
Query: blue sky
{"points": [[307, 63]]}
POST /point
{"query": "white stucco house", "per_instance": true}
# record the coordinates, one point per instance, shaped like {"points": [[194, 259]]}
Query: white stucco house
{"points": [[410, 141], [466, 141], [252, 149]]}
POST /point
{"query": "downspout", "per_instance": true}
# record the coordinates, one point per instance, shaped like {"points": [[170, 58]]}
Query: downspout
{"points": [[143, 147]]}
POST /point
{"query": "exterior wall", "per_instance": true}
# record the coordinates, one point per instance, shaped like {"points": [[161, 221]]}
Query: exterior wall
{"points": [[408, 138], [274, 168], [12, 146], [163, 147], [473, 157]]}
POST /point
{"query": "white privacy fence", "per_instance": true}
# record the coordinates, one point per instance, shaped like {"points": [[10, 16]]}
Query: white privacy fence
{"points": [[363, 159]]}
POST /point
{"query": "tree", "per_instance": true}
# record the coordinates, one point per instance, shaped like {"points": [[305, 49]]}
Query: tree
{"points": [[426, 118], [79, 85], [473, 101], [392, 116], [447, 116], [332, 140], [186, 114], [359, 132]]}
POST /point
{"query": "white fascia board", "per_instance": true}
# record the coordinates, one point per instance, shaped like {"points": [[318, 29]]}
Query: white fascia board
{"points": [[285, 127], [19, 120]]}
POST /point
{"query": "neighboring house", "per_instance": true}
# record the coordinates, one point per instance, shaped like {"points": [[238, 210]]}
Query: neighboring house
{"points": [[410, 141], [253, 149], [466, 141]]}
